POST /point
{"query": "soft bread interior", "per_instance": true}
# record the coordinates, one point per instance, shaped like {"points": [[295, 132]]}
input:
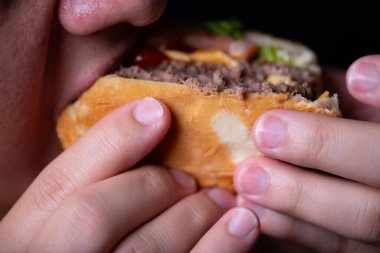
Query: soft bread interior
{"points": [[210, 133]]}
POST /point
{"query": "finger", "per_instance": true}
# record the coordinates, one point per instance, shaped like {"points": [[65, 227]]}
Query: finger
{"points": [[96, 218], [363, 80], [180, 227], [236, 231], [287, 228], [114, 144], [325, 143], [345, 207], [335, 79]]}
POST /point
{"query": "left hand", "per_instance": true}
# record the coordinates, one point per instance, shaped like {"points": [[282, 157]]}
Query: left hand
{"points": [[337, 211], [89, 199]]}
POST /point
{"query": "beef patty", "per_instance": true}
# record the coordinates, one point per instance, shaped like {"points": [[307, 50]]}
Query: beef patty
{"points": [[247, 77]]}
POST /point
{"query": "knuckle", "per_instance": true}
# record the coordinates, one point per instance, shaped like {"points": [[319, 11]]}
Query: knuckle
{"points": [[52, 189], [155, 180], [368, 222], [314, 150], [143, 243], [88, 214], [110, 139], [293, 231], [201, 213], [342, 246], [374, 159], [117, 135], [295, 197], [107, 140], [129, 247]]}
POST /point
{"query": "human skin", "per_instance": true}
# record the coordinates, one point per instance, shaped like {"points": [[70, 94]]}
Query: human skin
{"points": [[86, 199], [47, 59], [336, 211]]}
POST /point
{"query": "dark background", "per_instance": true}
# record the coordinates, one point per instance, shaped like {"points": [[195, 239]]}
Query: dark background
{"points": [[339, 31]]}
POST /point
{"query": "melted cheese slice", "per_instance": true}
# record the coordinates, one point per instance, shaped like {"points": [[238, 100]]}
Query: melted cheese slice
{"points": [[206, 56]]}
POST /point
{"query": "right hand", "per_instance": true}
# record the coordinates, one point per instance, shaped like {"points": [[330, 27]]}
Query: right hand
{"points": [[86, 201], [334, 211]]}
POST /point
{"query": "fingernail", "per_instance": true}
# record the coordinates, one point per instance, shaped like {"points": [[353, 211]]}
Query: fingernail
{"points": [[183, 179], [222, 197], [242, 222], [148, 111], [364, 77], [270, 132], [252, 181]]}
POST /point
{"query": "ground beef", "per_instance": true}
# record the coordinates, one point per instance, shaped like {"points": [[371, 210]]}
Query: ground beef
{"points": [[213, 78]]}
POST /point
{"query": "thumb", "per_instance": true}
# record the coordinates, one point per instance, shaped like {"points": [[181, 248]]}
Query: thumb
{"points": [[363, 80]]}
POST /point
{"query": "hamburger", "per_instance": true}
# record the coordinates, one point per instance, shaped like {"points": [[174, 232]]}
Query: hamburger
{"points": [[217, 81]]}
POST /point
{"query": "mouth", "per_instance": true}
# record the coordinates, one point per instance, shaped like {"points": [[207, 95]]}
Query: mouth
{"points": [[73, 86]]}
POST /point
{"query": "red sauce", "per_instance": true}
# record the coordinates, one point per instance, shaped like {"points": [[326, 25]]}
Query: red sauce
{"points": [[147, 57]]}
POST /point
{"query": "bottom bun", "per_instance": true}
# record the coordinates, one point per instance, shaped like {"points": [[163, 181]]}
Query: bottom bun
{"points": [[210, 134]]}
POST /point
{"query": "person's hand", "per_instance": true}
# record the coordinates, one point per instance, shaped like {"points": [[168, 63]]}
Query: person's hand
{"points": [[86, 200], [334, 211]]}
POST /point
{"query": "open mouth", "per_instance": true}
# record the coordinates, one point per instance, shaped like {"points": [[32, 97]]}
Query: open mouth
{"points": [[215, 94], [80, 65], [253, 63]]}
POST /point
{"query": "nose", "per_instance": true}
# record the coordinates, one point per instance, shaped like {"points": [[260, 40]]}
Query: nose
{"points": [[84, 17]]}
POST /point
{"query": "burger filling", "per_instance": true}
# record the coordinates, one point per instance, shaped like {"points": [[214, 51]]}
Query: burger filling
{"points": [[224, 59], [246, 77]]}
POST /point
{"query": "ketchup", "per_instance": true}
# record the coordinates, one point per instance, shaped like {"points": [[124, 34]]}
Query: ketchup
{"points": [[148, 57]]}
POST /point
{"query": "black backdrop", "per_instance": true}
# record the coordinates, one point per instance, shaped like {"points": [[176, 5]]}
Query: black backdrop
{"points": [[339, 31]]}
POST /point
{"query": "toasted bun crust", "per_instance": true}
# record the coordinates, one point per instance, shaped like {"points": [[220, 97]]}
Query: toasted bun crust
{"points": [[210, 133]]}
